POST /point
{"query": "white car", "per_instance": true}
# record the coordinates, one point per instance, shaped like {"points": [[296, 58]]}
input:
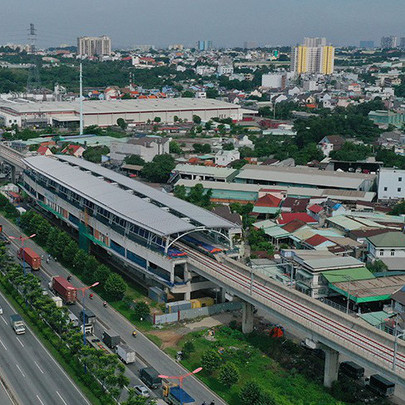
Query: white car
{"points": [[1, 311], [142, 391]]}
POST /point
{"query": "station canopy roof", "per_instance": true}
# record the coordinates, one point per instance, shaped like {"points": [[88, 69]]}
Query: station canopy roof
{"points": [[129, 199]]}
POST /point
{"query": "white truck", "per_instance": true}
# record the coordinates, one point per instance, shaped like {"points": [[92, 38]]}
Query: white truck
{"points": [[17, 324], [125, 353]]}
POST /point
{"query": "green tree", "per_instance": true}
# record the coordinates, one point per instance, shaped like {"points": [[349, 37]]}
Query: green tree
{"points": [[398, 209], [196, 119], [212, 93], [188, 94], [210, 361], [50, 243], [157, 119], [95, 153], [79, 261], [90, 269], [158, 171], [134, 160], [180, 192], [141, 310], [250, 393], [174, 147], [352, 152], [60, 244], [188, 348], [42, 232], [377, 266], [122, 123], [101, 274], [70, 252], [115, 287], [202, 148], [228, 146], [229, 375], [199, 196]]}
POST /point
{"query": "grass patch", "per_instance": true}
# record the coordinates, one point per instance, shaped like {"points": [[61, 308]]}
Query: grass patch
{"points": [[38, 331], [287, 387], [155, 339]]}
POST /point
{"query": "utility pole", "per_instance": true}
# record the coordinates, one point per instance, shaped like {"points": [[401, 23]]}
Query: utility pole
{"points": [[33, 80], [81, 98]]}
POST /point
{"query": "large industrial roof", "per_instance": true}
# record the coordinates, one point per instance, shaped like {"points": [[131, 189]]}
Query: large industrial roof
{"points": [[118, 106], [218, 172], [183, 208], [131, 207], [304, 175]]}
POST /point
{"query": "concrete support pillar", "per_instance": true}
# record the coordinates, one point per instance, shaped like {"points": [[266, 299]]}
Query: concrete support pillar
{"points": [[221, 295], [247, 317], [187, 280], [331, 366]]}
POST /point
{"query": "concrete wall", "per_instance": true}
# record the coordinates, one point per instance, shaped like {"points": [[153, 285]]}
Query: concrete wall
{"points": [[195, 313]]}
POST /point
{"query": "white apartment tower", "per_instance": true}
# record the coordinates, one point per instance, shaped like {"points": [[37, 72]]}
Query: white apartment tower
{"points": [[94, 46]]}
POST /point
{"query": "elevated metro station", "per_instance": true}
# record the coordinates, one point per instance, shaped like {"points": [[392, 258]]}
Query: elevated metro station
{"points": [[135, 224]]}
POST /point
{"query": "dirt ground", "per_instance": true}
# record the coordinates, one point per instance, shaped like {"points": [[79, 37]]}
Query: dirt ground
{"points": [[171, 337]]}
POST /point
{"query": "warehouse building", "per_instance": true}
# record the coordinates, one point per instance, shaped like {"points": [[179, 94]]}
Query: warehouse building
{"points": [[302, 176], [105, 113]]}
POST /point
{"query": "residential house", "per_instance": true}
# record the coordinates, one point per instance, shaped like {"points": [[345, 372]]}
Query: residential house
{"points": [[330, 143], [44, 151], [146, 147], [225, 157], [74, 150], [386, 245]]}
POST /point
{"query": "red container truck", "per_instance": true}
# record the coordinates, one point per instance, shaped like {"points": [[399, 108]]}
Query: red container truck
{"points": [[64, 289], [29, 256]]}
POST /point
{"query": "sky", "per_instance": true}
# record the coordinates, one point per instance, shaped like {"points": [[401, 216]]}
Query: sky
{"points": [[228, 23]]}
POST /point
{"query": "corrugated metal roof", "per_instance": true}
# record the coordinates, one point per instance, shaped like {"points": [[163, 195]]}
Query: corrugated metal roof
{"points": [[184, 208], [112, 198], [348, 275], [304, 175], [219, 172]]}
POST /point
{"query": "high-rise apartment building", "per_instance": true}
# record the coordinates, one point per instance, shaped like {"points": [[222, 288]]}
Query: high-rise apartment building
{"points": [[204, 45], [389, 42], [314, 56], [402, 43], [94, 46]]}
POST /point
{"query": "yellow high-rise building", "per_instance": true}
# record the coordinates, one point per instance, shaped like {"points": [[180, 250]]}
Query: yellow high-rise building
{"points": [[313, 57]]}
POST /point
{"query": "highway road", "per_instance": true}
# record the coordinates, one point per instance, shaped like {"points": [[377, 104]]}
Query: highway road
{"points": [[33, 376], [147, 352]]}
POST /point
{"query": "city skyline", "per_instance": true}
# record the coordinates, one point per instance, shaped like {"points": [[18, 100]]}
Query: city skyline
{"points": [[227, 24]]}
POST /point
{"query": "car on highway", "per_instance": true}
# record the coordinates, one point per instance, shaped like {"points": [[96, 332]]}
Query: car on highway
{"points": [[1, 310], [142, 391]]}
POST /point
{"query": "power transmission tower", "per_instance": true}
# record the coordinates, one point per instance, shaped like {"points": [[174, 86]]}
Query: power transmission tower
{"points": [[33, 80]]}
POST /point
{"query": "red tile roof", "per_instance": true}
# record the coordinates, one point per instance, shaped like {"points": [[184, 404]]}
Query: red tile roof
{"points": [[42, 150], [268, 201], [293, 225], [287, 217], [72, 148], [316, 209], [316, 240], [296, 204]]}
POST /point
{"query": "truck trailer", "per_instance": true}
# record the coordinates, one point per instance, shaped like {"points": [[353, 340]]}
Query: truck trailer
{"points": [[30, 257], [64, 289], [17, 324], [111, 339], [150, 377], [177, 396], [125, 353]]}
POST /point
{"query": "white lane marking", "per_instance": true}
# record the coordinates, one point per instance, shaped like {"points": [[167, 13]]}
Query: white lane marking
{"points": [[60, 396], [5, 348], [4, 320], [21, 343], [39, 399], [5, 389], [38, 367], [20, 370]]}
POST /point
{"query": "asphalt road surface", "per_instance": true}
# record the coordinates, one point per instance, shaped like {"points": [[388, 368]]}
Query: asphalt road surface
{"points": [[33, 376], [147, 352]]}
